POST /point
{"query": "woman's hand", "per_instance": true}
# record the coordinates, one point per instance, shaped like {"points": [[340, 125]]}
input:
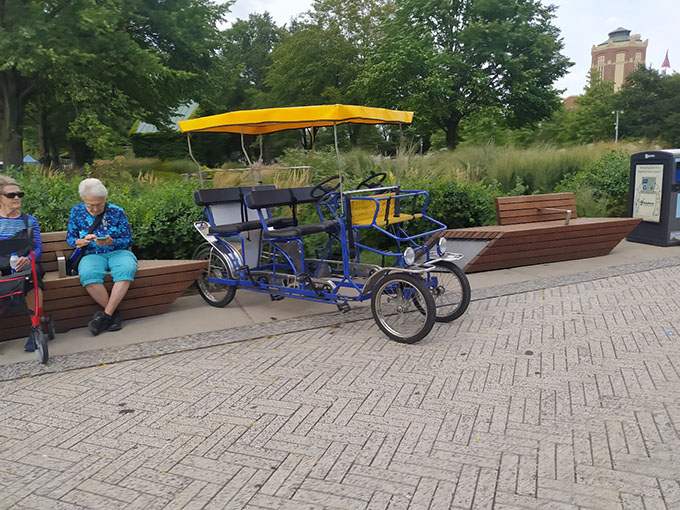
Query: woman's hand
{"points": [[104, 242], [22, 264], [81, 243]]}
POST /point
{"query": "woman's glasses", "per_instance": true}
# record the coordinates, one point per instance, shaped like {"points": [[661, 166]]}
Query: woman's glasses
{"points": [[19, 194]]}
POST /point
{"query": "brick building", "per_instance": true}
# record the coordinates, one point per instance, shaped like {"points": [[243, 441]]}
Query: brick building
{"points": [[619, 56]]}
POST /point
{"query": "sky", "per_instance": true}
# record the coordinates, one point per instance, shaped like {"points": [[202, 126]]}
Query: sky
{"points": [[582, 23]]}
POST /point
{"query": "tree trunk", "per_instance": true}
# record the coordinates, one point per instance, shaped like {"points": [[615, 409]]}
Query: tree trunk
{"points": [[13, 94], [43, 137], [353, 135], [81, 153], [451, 130]]}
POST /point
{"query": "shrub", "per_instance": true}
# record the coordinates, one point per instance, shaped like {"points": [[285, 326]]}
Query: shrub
{"points": [[605, 181], [161, 214], [457, 204]]}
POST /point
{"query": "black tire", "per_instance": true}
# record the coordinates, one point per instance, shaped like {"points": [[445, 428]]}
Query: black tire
{"points": [[215, 294], [452, 294], [40, 341], [413, 308]]}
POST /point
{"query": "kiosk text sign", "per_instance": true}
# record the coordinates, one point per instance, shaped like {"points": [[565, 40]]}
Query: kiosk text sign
{"points": [[648, 188]]}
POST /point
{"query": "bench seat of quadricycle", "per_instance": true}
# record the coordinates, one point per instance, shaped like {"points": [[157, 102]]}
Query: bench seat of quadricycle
{"points": [[328, 226], [265, 198], [244, 226], [234, 196]]}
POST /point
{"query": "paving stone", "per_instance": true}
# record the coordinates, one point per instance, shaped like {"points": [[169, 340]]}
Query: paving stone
{"points": [[560, 394]]}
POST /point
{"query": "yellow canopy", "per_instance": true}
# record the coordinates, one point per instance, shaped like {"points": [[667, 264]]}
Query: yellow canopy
{"points": [[269, 120]]}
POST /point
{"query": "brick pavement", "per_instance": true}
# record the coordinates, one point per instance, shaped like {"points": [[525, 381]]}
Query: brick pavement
{"points": [[561, 398]]}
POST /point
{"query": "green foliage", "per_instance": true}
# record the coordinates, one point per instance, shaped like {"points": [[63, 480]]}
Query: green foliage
{"points": [[592, 120], [161, 215], [49, 197], [94, 65], [448, 60], [313, 65], [602, 185], [651, 106], [210, 149], [456, 204]]}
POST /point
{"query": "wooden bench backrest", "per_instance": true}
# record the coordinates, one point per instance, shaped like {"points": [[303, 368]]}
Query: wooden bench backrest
{"points": [[527, 209], [53, 242]]}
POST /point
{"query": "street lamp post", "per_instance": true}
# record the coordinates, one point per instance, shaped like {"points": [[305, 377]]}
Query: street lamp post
{"points": [[616, 136]]}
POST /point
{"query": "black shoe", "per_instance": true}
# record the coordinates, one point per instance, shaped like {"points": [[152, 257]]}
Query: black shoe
{"points": [[116, 324], [100, 321], [30, 343]]}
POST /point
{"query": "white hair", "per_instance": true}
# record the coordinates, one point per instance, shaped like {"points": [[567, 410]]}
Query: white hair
{"points": [[92, 188], [6, 180]]}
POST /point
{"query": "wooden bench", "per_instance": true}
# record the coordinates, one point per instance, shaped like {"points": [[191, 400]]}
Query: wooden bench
{"points": [[537, 229], [158, 283]]}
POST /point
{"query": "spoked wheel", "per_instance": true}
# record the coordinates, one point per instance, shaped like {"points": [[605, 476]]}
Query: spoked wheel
{"points": [[451, 290], [40, 341], [215, 294], [395, 303]]}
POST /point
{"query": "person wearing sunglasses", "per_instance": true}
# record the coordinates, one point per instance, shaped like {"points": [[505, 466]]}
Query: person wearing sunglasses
{"points": [[12, 224]]}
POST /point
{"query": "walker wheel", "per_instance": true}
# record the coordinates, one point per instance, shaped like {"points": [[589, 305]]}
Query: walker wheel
{"points": [[51, 328], [40, 345]]}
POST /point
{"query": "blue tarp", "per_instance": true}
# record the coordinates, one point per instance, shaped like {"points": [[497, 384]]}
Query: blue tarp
{"points": [[29, 159]]}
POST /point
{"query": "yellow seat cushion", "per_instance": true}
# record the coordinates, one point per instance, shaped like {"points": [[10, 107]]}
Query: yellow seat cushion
{"points": [[363, 211]]}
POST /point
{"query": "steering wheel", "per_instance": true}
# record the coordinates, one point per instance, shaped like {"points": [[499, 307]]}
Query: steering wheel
{"points": [[320, 191], [368, 181]]}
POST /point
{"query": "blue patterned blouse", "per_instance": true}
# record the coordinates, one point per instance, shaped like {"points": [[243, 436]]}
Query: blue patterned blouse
{"points": [[114, 223]]}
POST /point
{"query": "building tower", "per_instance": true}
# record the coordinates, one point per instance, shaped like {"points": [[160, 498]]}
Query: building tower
{"points": [[619, 56]]}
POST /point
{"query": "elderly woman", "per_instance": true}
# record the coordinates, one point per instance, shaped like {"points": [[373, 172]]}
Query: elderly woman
{"points": [[107, 248], [13, 223]]}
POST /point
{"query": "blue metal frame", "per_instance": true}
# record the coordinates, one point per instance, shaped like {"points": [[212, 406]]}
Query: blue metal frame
{"points": [[282, 264]]}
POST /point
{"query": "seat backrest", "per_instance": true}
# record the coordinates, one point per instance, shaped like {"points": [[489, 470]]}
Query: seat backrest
{"points": [[532, 208], [303, 195], [363, 211], [260, 199], [227, 204], [206, 197]]}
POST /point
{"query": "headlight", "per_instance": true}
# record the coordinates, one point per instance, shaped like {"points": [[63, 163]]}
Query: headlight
{"points": [[441, 246], [409, 256]]}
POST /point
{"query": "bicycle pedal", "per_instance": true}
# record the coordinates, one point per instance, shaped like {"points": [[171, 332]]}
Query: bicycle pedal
{"points": [[344, 307], [276, 297]]}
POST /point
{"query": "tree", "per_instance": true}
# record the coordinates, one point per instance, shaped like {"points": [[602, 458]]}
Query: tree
{"points": [[359, 22], [592, 119], [651, 105], [105, 62], [449, 59], [313, 65], [245, 56]]}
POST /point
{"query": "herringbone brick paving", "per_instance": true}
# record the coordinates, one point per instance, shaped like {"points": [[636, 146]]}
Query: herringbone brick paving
{"points": [[563, 398]]}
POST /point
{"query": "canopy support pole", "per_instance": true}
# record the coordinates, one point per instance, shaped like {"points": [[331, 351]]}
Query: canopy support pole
{"points": [[250, 163], [400, 151], [337, 154], [191, 154]]}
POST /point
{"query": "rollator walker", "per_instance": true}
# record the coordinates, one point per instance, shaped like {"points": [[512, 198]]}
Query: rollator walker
{"points": [[13, 289]]}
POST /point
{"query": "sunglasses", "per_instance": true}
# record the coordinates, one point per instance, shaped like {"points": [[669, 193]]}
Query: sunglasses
{"points": [[19, 194]]}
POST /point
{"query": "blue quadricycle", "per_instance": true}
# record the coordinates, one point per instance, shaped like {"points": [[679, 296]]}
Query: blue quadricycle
{"points": [[249, 247]]}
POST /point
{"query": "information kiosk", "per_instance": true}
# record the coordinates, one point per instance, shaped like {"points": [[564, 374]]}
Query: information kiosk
{"points": [[653, 196]]}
